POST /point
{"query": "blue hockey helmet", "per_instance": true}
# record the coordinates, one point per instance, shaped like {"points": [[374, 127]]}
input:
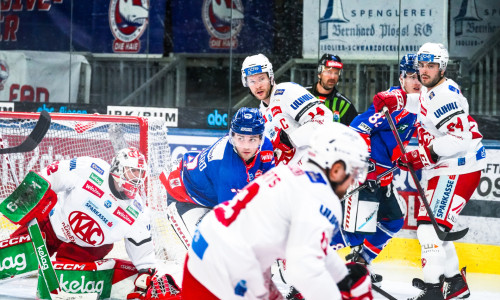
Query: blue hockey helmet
{"points": [[248, 121], [408, 64]]}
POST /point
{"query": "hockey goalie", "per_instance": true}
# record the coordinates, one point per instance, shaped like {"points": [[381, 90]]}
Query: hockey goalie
{"points": [[86, 207]]}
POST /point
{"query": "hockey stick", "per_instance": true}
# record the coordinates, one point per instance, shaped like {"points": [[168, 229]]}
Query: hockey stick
{"points": [[35, 137], [365, 185], [382, 292], [442, 235]]}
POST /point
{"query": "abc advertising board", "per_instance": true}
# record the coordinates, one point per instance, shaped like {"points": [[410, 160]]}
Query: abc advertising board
{"points": [[133, 26], [218, 25]]}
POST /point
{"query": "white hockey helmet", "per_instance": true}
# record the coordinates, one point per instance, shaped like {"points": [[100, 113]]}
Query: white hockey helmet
{"points": [[435, 53], [256, 64], [129, 170], [334, 142]]}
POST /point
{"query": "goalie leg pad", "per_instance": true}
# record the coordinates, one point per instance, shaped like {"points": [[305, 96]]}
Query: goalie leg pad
{"points": [[17, 256]]}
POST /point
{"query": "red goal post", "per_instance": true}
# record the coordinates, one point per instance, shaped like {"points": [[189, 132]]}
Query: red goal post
{"points": [[101, 136]]}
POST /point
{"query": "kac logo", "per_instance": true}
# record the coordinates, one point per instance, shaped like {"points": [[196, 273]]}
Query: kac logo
{"points": [[217, 120]]}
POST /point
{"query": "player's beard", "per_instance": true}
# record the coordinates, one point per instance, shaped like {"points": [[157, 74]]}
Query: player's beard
{"points": [[434, 81], [327, 86]]}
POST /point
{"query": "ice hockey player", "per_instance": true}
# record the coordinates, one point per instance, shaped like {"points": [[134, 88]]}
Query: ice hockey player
{"points": [[329, 71], [451, 155], [292, 113], [368, 238], [290, 212], [217, 173], [96, 206]]}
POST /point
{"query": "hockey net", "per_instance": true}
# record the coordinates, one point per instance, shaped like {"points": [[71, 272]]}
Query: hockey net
{"points": [[97, 136]]}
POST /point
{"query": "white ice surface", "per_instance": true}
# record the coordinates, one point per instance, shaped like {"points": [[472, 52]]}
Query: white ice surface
{"points": [[397, 282]]}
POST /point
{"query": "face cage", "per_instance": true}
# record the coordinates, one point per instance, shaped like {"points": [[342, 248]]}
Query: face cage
{"points": [[131, 186], [358, 172]]}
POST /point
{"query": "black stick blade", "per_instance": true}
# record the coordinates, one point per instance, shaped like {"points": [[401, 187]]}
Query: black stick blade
{"points": [[35, 137]]}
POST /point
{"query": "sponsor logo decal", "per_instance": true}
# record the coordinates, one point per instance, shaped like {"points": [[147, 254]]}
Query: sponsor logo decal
{"points": [[299, 101], [44, 258], [137, 204], [92, 207], [15, 241], [266, 156], [120, 213], [276, 110], [315, 177], [18, 262], [97, 168], [108, 203], [93, 189], [81, 286], [132, 211], [72, 164], [445, 109], [96, 178]]}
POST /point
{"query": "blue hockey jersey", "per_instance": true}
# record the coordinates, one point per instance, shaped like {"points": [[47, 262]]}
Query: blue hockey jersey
{"points": [[384, 148], [217, 173]]}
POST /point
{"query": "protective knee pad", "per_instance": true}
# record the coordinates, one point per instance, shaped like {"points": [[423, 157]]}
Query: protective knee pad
{"points": [[433, 254]]}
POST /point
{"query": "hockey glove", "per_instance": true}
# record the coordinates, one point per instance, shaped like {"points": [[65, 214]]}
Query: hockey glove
{"points": [[419, 158], [148, 285], [357, 284], [371, 178], [395, 100], [282, 141]]}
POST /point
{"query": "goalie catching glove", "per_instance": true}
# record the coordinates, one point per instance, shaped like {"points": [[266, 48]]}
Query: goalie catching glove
{"points": [[394, 100], [418, 159], [357, 284], [148, 285]]}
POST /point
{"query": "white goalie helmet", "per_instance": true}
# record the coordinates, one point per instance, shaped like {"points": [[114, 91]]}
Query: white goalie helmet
{"points": [[129, 170], [334, 142], [435, 53], [256, 64]]}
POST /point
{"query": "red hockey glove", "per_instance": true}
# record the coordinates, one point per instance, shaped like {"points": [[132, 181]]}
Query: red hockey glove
{"points": [[283, 157], [419, 158], [149, 286], [282, 141], [357, 285], [371, 177], [395, 100]]}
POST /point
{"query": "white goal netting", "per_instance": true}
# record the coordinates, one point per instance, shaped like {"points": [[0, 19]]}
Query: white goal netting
{"points": [[96, 136]]}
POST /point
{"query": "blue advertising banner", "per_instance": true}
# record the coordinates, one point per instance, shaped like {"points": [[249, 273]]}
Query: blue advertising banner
{"points": [[99, 26], [213, 26]]}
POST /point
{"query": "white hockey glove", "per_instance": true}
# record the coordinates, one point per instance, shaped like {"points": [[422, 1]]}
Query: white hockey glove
{"points": [[357, 284], [148, 285]]}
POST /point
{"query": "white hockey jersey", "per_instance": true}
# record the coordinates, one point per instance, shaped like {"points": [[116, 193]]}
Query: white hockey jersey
{"points": [[291, 212], [443, 114], [89, 215], [295, 110]]}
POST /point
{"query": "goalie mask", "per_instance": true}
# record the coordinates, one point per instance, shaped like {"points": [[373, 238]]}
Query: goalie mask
{"points": [[335, 142], [129, 169]]}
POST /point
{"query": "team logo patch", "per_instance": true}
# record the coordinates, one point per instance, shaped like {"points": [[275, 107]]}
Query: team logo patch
{"points": [[128, 19], [223, 20], [86, 228], [266, 156], [108, 204], [94, 209], [93, 189], [72, 164], [120, 213], [97, 168], [96, 178], [315, 177], [279, 92], [431, 95]]}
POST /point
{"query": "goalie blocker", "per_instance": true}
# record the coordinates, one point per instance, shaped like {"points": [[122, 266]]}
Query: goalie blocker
{"points": [[360, 216]]}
